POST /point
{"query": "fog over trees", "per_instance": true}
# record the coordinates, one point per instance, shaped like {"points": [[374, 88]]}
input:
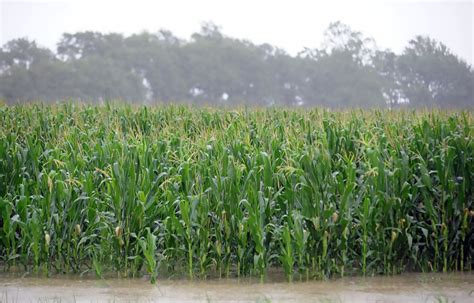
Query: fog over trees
{"points": [[210, 68]]}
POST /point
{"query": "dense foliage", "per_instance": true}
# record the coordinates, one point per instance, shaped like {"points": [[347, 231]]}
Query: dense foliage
{"points": [[200, 191], [211, 68]]}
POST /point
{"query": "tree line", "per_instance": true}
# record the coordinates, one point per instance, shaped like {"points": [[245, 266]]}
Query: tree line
{"points": [[348, 70]]}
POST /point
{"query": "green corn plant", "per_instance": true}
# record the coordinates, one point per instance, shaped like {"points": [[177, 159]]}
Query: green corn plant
{"points": [[185, 208], [365, 233], [148, 247], [286, 257], [357, 191], [300, 236]]}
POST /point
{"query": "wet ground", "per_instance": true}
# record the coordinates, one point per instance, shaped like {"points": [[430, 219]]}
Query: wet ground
{"points": [[413, 287]]}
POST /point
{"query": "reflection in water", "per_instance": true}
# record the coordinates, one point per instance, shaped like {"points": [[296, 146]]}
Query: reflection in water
{"points": [[457, 287]]}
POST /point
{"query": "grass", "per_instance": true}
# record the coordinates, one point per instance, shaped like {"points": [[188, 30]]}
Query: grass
{"points": [[201, 192]]}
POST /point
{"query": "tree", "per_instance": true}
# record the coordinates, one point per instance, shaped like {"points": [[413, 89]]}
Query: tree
{"points": [[386, 65], [23, 53], [341, 74], [211, 68], [79, 45], [432, 76], [20, 60]]}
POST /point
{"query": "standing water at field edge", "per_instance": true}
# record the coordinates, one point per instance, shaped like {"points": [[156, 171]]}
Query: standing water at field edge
{"points": [[411, 287]]}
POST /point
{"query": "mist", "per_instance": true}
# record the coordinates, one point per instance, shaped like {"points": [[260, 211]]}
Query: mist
{"points": [[347, 67]]}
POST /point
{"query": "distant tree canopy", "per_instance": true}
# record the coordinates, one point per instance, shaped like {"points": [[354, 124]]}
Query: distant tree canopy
{"points": [[211, 68]]}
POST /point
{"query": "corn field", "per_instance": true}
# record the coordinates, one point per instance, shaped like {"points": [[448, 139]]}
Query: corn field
{"points": [[175, 190]]}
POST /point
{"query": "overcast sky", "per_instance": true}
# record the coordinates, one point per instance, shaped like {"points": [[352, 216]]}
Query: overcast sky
{"points": [[289, 24]]}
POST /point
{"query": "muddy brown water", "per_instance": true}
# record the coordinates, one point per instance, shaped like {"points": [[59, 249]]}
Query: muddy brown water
{"points": [[413, 287]]}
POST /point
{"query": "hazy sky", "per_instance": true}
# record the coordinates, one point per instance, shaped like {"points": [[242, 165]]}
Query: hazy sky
{"points": [[290, 24]]}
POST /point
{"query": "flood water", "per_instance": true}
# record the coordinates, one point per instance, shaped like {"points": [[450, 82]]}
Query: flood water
{"points": [[413, 287]]}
